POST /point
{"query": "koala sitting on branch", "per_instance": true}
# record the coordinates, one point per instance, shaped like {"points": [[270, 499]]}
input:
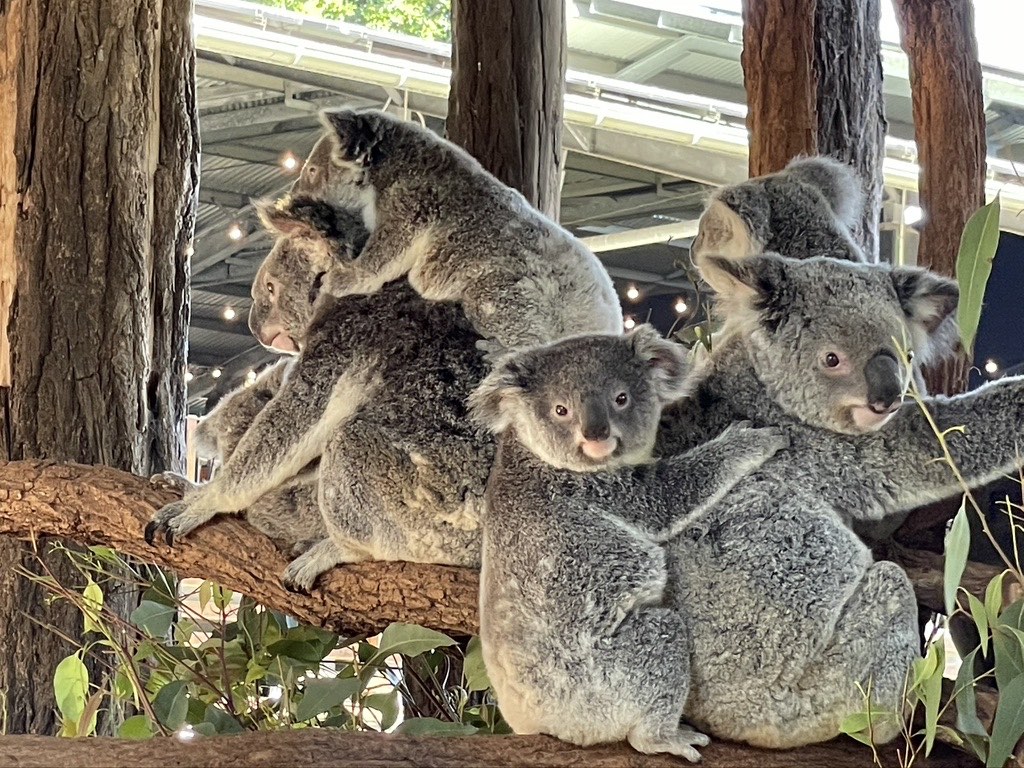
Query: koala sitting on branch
{"points": [[460, 235], [577, 638], [787, 610], [377, 392]]}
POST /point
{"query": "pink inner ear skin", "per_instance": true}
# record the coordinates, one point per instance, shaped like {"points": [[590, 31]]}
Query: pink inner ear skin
{"points": [[282, 342]]}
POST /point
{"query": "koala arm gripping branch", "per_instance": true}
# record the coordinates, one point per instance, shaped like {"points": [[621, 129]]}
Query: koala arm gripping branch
{"points": [[659, 498], [981, 431]]}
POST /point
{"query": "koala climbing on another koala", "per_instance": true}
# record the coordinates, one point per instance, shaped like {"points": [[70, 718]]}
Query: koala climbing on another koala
{"points": [[289, 514], [577, 639], [377, 392], [461, 235], [806, 209], [787, 610]]}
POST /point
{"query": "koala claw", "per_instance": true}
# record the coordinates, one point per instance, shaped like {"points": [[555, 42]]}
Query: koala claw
{"points": [[682, 743], [179, 518], [173, 481]]}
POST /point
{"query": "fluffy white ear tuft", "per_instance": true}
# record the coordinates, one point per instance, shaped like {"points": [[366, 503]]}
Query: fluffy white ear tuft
{"points": [[490, 404], [667, 361], [929, 302]]}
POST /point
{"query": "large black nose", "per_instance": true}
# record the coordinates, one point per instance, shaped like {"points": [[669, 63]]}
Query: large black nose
{"points": [[595, 422], [885, 382]]}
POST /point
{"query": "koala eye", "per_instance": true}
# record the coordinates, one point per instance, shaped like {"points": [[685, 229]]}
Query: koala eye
{"points": [[832, 360], [561, 411], [314, 290], [622, 399], [270, 288]]}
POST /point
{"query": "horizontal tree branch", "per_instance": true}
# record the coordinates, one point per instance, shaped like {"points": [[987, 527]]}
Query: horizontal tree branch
{"points": [[103, 506], [326, 748]]}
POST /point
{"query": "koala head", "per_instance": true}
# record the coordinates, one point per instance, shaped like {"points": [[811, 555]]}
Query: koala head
{"points": [[312, 235], [824, 335], [585, 403], [341, 184]]}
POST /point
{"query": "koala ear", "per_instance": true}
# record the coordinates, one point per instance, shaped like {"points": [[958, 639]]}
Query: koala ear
{"points": [[666, 361], [722, 232], [314, 219], [277, 217], [927, 299], [755, 289], [355, 135], [313, 174], [489, 402]]}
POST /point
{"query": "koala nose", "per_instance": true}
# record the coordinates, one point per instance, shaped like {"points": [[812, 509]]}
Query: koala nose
{"points": [[885, 382], [595, 423]]}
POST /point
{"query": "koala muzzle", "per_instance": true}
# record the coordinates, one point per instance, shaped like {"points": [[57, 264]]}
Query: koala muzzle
{"points": [[885, 382], [596, 426]]}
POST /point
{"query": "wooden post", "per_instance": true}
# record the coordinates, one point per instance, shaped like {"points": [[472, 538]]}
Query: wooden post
{"points": [[98, 172], [949, 127], [508, 84]]}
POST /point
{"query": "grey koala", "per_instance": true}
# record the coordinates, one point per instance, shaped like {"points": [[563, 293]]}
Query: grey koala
{"points": [[577, 639], [378, 393], [806, 209], [289, 514], [461, 235], [787, 610]]}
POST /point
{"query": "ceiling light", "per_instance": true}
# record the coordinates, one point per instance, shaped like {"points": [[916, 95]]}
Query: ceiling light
{"points": [[629, 322], [912, 214], [235, 232], [991, 367], [216, 372], [632, 293], [188, 376], [681, 306], [289, 162], [229, 313]]}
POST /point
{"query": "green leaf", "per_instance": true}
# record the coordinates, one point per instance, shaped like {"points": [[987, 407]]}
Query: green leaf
{"points": [[171, 705], [430, 726], [408, 640], [321, 695], [980, 616], [1008, 726], [205, 729], [221, 721], [994, 597], [153, 618], [967, 721], [205, 594], [931, 694], [958, 542], [71, 689], [92, 597], [138, 727], [387, 705], [222, 597], [473, 667], [978, 246]]}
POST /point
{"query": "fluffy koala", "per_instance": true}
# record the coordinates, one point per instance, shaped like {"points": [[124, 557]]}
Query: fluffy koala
{"points": [[461, 235], [378, 393], [577, 639], [786, 608], [806, 209]]}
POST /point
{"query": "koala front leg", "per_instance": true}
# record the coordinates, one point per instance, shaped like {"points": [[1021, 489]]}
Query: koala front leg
{"points": [[664, 495], [284, 437], [389, 253]]}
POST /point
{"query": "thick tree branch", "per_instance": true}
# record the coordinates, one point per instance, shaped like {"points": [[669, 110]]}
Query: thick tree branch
{"points": [[99, 505], [325, 748]]}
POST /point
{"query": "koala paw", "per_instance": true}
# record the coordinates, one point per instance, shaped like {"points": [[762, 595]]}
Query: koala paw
{"points": [[682, 743], [492, 350], [751, 446], [173, 481], [177, 519]]}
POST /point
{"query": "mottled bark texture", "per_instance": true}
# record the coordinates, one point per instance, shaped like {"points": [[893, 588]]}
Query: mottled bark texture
{"points": [[336, 749], [508, 83], [850, 102], [99, 505], [98, 169], [813, 75], [949, 127]]}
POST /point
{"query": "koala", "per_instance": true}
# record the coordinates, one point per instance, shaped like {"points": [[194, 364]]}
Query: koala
{"points": [[806, 209], [786, 609], [461, 235], [577, 638], [378, 392]]}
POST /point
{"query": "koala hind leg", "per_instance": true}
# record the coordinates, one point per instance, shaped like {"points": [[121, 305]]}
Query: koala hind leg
{"points": [[302, 572]]}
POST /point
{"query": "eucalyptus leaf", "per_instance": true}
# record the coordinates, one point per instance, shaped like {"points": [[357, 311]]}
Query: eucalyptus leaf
{"points": [[967, 721], [322, 695], [932, 695], [408, 640], [473, 667], [92, 598], [430, 726], [1008, 726], [221, 721], [387, 705], [978, 246], [994, 597], [137, 728], [980, 616], [958, 543]]}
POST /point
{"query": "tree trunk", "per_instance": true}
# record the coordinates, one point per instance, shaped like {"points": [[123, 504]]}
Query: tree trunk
{"points": [[325, 748], [781, 81], [508, 83], [949, 127], [850, 103], [99, 169]]}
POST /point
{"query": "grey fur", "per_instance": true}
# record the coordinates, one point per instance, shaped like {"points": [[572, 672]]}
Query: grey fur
{"points": [[461, 235], [576, 637], [804, 210], [786, 608]]}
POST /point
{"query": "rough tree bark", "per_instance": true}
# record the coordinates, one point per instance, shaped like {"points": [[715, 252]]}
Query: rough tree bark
{"points": [[508, 81], [949, 127], [812, 70], [99, 172], [781, 81], [850, 102], [327, 748]]}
